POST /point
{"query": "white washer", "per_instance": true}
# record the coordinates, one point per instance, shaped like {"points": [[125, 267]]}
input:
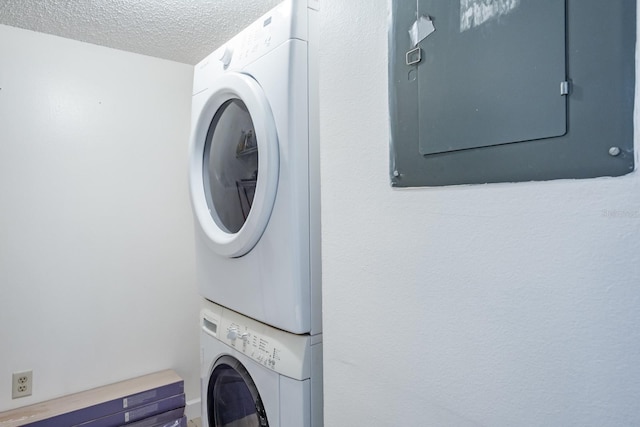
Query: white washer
{"points": [[254, 171], [253, 375]]}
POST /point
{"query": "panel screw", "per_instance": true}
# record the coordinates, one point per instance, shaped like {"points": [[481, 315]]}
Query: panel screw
{"points": [[614, 151], [396, 174]]}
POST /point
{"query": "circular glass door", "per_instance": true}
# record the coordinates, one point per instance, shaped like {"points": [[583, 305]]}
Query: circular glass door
{"points": [[232, 397], [230, 170], [234, 165]]}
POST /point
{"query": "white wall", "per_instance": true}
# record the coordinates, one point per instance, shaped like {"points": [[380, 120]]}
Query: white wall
{"points": [[97, 281], [496, 305]]}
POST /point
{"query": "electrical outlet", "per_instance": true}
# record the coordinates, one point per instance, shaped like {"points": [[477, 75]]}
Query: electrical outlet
{"points": [[22, 384]]}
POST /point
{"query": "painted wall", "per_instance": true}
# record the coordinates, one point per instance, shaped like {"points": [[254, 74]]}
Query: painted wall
{"points": [[495, 305], [97, 281]]}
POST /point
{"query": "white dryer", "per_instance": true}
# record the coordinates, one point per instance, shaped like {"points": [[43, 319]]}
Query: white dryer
{"points": [[253, 375], [254, 171]]}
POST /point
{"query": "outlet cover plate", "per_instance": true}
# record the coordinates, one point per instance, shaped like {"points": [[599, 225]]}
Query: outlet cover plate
{"points": [[21, 385]]}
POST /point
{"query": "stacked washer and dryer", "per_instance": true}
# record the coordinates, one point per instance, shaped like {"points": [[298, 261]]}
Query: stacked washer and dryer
{"points": [[255, 192]]}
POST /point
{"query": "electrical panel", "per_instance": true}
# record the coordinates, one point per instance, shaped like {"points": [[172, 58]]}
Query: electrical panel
{"points": [[510, 90]]}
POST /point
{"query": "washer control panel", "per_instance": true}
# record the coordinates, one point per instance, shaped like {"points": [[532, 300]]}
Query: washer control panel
{"points": [[264, 350], [280, 351]]}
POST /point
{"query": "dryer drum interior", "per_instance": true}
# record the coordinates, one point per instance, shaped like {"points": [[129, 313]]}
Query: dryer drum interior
{"points": [[233, 398], [230, 165]]}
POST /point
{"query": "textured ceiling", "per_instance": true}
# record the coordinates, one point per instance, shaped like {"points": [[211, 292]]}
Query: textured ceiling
{"points": [[179, 30]]}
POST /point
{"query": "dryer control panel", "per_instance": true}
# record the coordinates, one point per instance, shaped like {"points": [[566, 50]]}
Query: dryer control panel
{"points": [[286, 353], [282, 23]]}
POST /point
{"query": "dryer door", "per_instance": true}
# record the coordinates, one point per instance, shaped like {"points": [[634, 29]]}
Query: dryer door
{"points": [[232, 397], [234, 164]]}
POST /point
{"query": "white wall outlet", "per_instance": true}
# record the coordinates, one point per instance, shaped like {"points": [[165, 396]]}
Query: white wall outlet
{"points": [[22, 384]]}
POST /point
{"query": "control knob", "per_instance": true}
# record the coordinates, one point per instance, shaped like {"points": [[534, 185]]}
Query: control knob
{"points": [[232, 334], [226, 56]]}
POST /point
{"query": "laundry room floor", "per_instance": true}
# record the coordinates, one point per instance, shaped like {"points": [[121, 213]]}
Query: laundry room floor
{"points": [[194, 423]]}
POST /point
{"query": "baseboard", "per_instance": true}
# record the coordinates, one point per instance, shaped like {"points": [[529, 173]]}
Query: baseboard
{"points": [[192, 409]]}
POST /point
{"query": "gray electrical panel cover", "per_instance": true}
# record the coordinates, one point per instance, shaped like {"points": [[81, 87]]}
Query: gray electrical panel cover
{"points": [[510, 90]]}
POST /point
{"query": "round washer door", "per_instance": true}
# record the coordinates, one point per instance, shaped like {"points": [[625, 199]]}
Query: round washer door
{"points": [[234, 165], [232, 396]]}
